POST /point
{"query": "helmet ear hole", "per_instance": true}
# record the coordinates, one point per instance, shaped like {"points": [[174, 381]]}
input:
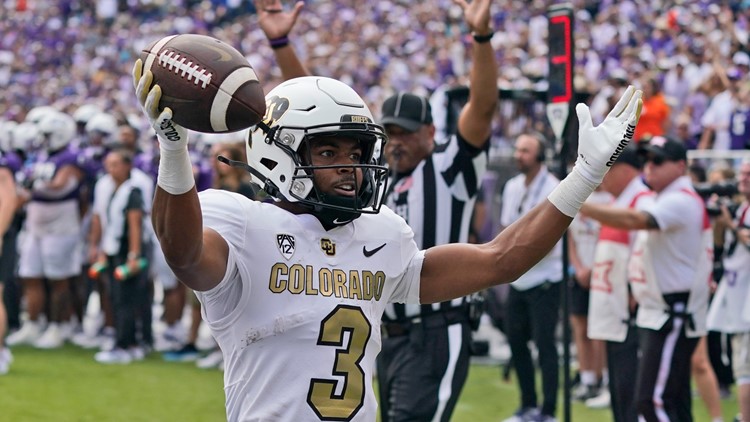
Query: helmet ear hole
{"points": [[268, 163]]}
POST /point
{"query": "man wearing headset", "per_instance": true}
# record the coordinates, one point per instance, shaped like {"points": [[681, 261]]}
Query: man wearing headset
{"points": [[534, 297]]}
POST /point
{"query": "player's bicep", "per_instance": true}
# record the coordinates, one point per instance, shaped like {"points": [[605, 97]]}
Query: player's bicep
{"points": [[452, 270], [211, 266]]}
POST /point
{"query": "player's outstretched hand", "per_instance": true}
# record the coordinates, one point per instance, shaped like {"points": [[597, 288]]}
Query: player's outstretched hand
{"points": [[171, 135], [599, 146], [273, 20]]}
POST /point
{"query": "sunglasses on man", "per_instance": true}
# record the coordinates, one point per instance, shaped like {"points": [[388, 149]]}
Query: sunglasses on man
{"points": [[657, 160]]}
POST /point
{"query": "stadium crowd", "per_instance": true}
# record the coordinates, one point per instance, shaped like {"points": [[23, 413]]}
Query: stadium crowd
{"points": [[67, 65]]}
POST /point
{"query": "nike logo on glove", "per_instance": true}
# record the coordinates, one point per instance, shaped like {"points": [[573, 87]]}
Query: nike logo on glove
{"points": [[371, 252]]}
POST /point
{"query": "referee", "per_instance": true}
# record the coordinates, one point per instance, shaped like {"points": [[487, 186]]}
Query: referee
{"points": [[424, 360]]}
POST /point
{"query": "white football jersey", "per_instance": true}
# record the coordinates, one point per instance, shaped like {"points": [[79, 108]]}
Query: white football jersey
{"points": [[297, 315]]}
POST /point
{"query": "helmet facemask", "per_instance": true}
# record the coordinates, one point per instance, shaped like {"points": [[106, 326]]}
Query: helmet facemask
{"points": [[368, 178], [299, 112]]}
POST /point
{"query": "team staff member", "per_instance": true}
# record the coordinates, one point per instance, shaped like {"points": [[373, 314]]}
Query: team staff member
{"points": [[118, 236], [582, 238], [669, 272], [425, 358], [611, 308], [534, 298], [287, 290]]}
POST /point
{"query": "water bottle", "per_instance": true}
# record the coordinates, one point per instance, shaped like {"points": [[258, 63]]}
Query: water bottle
{"points": [[122, 272], [96, 269]]}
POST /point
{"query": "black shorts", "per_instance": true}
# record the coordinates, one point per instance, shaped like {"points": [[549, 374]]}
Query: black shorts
{"points": [[578, 299]]}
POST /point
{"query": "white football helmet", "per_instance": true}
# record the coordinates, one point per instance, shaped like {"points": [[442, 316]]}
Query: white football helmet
{"points": [[37, 113], [85, 112], [26, 137], [306, 108], [58, 129], [105, 125], [6, 134]]}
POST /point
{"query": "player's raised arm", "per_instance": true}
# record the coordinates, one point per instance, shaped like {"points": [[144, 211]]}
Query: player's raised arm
{"points": [[525, 242], [198, 257]]}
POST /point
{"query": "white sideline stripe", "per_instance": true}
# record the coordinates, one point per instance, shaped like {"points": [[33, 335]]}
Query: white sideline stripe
{"points": [[224, 96], [155, 49], [455, 338]]}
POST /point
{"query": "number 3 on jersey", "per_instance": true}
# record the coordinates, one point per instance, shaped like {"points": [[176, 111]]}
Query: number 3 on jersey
{"points": [[322, 396]]}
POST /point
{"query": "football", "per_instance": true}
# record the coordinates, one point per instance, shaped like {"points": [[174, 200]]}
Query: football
{"points": [[208, 84]]}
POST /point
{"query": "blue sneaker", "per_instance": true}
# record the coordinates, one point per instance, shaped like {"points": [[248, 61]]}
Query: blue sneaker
{"points": [[187, 353]]}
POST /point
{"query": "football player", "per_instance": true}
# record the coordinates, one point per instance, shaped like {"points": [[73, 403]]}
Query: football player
{"points": [[293, 290]]}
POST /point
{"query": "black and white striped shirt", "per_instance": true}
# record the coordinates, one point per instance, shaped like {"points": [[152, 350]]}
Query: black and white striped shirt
{"points": [[437, 201]]}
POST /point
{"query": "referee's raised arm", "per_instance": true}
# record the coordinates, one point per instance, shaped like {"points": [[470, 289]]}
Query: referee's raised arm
{"points": [[475, 119]]}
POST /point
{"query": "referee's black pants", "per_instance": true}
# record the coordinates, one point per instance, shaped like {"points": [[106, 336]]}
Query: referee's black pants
{"points": [[422, 368], [533, 315]]}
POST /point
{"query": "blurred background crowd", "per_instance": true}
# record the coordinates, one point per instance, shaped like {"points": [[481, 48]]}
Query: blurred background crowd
{"points": [[75, 57], [69, 53]]}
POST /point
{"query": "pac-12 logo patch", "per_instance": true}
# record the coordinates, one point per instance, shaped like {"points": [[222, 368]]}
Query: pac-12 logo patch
{"points": [[285, 243]]}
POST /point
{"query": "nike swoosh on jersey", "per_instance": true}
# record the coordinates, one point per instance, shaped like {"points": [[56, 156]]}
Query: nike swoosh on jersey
{"points": [[372, 252]]}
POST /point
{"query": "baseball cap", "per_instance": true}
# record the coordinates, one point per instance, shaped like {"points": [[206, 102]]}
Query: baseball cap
{"points": [[664, 148], [741, 58], [408, 111], [630, 157]]}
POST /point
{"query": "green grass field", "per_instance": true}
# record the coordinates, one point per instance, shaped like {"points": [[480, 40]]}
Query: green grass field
{"points": [[67, 385]]}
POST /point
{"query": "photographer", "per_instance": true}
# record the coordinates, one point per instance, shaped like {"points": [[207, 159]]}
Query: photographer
{"points": [[720, 189], [729, 312]]}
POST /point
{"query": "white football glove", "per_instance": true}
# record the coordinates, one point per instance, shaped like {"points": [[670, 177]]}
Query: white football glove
{"points": [[175, 170], [171, 135], [599, 147]]}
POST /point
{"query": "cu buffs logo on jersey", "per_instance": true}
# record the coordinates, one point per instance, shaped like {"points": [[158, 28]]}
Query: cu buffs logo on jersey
{"points": [[285, 243], [328, 246]]}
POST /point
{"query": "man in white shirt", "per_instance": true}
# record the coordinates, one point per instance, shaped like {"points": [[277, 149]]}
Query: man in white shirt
{"points": [[668, 271], [611, 306], [534, 298]]}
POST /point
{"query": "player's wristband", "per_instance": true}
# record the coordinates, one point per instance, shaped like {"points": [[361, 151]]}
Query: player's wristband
{"points": [[175, 171], [571, 193], [480, 39], [279, 42]]}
